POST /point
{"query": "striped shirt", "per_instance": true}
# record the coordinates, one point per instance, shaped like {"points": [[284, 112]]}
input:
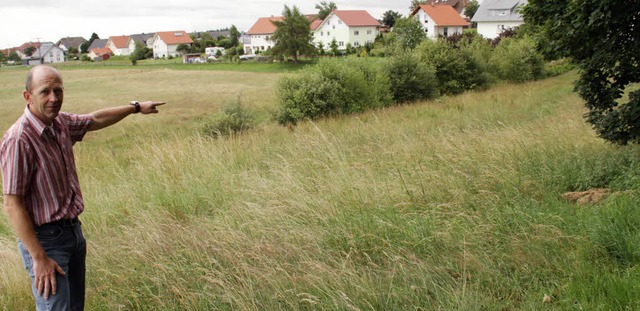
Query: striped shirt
{"points": [[39, 165]]}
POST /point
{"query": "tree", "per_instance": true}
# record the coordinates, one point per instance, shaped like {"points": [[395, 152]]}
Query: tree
{"points": [[293, 35], [389, 18], [407, 33], [415, 3], [334, 47], [14, 57], [234, 35], [3, 58], [141, 52], [29, 50], [604, 41], [184, 48], [84, 48], [324, 9], [471, 8]]}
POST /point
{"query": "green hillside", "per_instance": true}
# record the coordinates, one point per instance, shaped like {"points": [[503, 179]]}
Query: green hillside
{"points": [[452, 204]]}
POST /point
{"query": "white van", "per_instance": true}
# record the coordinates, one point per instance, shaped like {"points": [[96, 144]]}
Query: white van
{"points": [[213, 51]]}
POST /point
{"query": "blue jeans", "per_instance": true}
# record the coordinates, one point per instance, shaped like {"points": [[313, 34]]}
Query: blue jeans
{"points": [[64, 243]]}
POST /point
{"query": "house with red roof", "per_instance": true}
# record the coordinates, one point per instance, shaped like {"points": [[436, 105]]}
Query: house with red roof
{"points": [[439, 20], [259, 35], [165, 43], [99, 54], [354, 27], [119, 45]]}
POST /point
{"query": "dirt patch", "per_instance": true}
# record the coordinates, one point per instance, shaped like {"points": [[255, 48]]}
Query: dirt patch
{"points": [[591, 196]]}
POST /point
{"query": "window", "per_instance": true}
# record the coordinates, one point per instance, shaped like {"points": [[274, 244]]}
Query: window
{"points": [[328, 33], [340, 22], [356, 33], [334, 26], [356, 44], [445, 31], [341, 43], [501, 28], [321, 33]]}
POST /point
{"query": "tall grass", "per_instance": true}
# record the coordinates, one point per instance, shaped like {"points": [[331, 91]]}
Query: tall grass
{"points": [[447, 204]]}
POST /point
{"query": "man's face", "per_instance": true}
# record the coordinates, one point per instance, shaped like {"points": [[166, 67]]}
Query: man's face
{"points": [[45, 95]]}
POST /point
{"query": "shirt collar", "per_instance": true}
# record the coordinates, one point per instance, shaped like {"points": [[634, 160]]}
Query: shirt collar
{"points": [[37, 123]]}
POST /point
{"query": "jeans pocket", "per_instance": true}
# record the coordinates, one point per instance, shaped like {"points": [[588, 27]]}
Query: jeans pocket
{"points": [[48, 233]]}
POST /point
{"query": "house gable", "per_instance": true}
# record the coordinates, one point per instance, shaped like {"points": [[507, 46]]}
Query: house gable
{"points": [[441, 14], [499, 11]]}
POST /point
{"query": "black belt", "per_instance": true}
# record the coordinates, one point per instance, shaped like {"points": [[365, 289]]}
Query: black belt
{"points": [[64, 222]]}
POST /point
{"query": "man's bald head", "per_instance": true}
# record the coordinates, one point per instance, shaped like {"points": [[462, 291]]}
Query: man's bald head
{"points": [[39, 70]]}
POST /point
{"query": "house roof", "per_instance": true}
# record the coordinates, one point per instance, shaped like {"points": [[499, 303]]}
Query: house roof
{"points": [[499, 11], [442, 14], [120, 42], [71, 42], [174, 37], [101, 51], [458, 5], [265, 26], [97, 43], [356, 18], [142, 37]]}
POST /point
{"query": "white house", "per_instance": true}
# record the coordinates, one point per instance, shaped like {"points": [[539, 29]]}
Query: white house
{"points": [[71, 42], [139, 38], [47, 53], [494, 16], [165, 43], [439, 20], [119, 45], [355, 27], [258, 37]]}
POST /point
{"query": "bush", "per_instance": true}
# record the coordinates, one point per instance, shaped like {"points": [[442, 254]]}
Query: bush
{"points": [[232, 119], [410, 78], [456, 70], [333, 87], [517, 60], [558, 67]]}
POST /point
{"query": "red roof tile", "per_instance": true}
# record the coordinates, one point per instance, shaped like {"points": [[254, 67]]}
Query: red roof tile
{"points": [[264, 25], [442, 15], [101, 51], [356, 18], [120, 42], [174, 37]]}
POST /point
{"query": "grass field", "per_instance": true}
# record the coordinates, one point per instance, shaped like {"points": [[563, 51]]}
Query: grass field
{"points": [[453, 204]]}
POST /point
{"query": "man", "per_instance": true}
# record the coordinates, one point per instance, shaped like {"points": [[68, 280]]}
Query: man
{"points": [[42, 195]]}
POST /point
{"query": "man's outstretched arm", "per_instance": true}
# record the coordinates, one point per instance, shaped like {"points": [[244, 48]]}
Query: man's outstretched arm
{"points": [[109, 116]]}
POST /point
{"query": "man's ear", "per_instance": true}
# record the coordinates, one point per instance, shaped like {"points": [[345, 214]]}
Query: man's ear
{"points": [[27, 96]]}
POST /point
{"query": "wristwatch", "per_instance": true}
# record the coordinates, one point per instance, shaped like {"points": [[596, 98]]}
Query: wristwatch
{"points": [[136, 104]]}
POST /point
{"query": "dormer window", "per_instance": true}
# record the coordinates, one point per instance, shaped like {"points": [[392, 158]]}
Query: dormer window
{"points": [[177, 34]]}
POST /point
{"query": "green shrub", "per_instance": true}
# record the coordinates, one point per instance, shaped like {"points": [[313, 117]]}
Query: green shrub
{"points": [[410, 78], [558, 67], [456, 70], [232, 119], [333, 87], [517, 60]]}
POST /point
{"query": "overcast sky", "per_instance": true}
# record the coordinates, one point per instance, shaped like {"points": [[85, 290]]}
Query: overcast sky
{"points": [[48, 20]]}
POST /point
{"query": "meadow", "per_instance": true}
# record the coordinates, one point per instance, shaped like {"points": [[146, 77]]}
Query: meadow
{"points": [[450, 204]]}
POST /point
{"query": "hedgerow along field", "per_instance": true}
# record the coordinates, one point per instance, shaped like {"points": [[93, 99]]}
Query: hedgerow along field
{"points": [[447, 204]]}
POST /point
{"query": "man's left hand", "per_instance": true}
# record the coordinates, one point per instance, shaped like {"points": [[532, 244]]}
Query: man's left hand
{"points": [[150, 107]]}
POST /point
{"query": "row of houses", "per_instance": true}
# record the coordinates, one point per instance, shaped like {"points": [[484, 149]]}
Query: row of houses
{"points": [[347, 27], [358, 27]]}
